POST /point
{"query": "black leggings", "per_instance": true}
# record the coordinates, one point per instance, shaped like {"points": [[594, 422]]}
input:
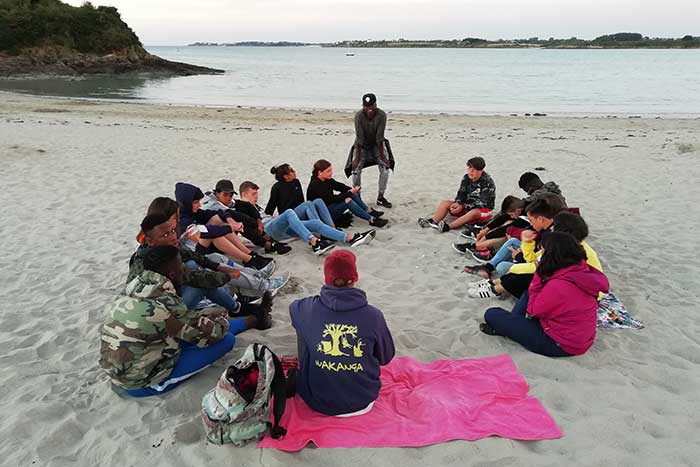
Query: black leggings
{"points": [[516, 284]]}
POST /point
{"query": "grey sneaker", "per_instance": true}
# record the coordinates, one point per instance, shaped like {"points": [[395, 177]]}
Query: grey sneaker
{"points": [[423, 222], [443, 227], [362, 238], [276, 283], [269, 268]]}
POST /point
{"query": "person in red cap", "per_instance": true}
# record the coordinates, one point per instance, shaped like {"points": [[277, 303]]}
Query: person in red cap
{"points": [[342, 341]]}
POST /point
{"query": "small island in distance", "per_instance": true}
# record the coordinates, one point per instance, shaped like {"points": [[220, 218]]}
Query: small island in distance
{"points": [[621, 40]]}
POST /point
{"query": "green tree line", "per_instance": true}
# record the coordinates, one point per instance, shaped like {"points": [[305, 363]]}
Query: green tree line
{"points": [[51, 23]]}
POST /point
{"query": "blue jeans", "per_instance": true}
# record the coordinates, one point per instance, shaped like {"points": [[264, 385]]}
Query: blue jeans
{"points": [[288, 225], [504, 254], [503, 267], [312, 210], [356, 206], [192, 360], [191, 296], [525, 331]]}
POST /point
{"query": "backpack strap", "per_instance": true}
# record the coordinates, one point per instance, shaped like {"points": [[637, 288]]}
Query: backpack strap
{"points": [[279, 389]]}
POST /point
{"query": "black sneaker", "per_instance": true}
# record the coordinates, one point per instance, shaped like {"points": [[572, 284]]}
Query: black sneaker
{"points": [[258, 262], [278, 248], [470, 231], [237, 312], [432, 223], [462, 248], [378, 222], [252, 305], [383, 202], [263, 312], [249, 300], [375, 213], [487, 329], [321, 247], [362, 238]]}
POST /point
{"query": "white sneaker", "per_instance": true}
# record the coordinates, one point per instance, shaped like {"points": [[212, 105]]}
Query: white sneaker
{"points": [[480, 284], [276, 283], [482, 292]]}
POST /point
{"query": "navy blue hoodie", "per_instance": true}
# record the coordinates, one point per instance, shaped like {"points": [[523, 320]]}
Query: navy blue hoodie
{"points": [[343, 341], [184, 195]]}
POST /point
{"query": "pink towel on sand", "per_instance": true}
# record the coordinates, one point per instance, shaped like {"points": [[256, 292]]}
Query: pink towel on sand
{"points": [[421, 404]]}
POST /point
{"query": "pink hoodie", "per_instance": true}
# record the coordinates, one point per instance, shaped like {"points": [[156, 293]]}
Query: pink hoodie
{"points": [[566, 305]]}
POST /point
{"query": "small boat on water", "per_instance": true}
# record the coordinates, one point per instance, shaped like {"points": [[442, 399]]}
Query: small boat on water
{"points": [[349, 54]]}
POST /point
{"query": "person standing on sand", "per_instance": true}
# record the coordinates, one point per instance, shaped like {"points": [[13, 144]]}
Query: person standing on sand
{"points": [[370, 147]]}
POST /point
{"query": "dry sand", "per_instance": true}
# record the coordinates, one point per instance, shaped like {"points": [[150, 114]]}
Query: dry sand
{"points": [[76, 178]]}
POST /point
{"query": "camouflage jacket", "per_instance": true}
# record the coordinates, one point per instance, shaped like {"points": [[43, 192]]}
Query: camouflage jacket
{"points": [[478, 193], [199, 278], [140, 336]]}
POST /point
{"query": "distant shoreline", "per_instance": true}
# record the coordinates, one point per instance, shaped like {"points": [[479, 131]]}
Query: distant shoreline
{"points": [[612, 41]]}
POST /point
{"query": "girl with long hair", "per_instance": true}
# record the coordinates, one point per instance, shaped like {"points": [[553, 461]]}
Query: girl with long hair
{"points": [[557, 317], [338, 196]]}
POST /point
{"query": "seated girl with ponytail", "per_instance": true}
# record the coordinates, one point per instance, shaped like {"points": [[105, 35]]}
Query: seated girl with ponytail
{"points": [[338, 196], [287, 193]]}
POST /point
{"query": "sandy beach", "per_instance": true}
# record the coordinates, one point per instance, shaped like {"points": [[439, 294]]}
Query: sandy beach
{"points": [[77, 177]]}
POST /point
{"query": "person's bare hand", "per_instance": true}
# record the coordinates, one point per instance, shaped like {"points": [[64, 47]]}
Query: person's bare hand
{"points": [[528, 236], [482, 233], [347, 200], [192, 234], [456, 209], [356, 189], [233, 272], [514, 252], [235, 226]]}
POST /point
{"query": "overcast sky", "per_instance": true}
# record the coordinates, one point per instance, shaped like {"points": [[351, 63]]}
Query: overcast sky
{"points": [[177, 22]]}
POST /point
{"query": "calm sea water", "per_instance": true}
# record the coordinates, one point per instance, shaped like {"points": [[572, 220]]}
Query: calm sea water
{"points": [[414, 80]]}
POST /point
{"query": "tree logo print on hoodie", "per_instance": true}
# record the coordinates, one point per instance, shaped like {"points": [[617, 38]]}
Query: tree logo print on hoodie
{"points": [[343, 343]]}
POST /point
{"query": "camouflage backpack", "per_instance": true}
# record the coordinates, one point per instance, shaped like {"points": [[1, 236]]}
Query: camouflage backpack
{"points": [[237, 410]]}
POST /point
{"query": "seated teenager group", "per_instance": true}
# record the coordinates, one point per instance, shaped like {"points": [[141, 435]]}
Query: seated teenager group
{"points": [[201, 248]]}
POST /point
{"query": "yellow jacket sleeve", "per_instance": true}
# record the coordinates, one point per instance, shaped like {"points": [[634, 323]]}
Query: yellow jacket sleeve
{"points": [[530, 255], [592, 260]]}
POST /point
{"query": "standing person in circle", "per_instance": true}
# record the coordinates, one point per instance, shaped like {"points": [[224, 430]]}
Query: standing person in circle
{"points": [[370, 147]]}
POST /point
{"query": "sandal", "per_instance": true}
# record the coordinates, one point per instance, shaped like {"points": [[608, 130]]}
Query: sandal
{"points": [[478, 270]]}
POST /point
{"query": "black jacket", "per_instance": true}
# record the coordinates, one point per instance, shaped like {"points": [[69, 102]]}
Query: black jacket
{"points": [[326, 191]]}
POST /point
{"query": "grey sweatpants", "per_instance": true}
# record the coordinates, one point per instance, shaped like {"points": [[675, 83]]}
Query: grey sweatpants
{"points": [[372, 153], [252, 282]]}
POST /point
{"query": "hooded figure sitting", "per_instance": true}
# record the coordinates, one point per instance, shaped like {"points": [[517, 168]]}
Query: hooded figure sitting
{"points": [[151, 342], [531, 184], [342, 342], [220, 235]]}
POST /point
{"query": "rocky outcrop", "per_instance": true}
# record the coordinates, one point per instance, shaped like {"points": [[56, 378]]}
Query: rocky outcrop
{"points": [[58, 62]]}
